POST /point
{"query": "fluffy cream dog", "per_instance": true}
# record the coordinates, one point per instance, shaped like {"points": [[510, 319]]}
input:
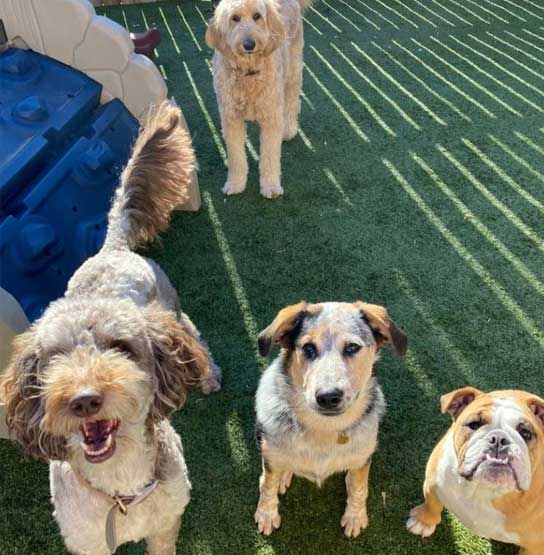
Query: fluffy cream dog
{"points": [[257, 76], [92, 383], [319, 403]]}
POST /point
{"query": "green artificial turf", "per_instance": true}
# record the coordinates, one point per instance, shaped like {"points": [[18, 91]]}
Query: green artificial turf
{"points": [[416, 182]]}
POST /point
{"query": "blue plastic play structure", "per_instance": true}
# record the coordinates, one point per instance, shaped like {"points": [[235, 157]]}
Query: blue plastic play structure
{"points": [[60, 157]]}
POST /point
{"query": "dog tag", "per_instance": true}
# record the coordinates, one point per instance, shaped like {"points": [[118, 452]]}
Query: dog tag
{"points": [[342, 438]]}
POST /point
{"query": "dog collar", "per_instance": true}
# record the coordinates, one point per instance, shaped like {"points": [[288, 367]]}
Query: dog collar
{"points": [[247, 73], [120, 503]]}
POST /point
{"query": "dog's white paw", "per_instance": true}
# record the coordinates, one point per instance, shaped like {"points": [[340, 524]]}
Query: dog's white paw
{"points": [[354, 522], [267, 521], [232, 187], [285, 482], [272, 190], [417, 527]]}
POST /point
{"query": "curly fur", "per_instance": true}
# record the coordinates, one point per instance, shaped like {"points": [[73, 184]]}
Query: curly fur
{"points": [[179, 358], [262, 86], [20, 388], [155, 180], [119, 334]]}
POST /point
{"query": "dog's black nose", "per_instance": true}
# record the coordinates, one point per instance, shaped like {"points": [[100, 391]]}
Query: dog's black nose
{"points": [[499, 441], [249, 45], [86, 404], [329, 400]]}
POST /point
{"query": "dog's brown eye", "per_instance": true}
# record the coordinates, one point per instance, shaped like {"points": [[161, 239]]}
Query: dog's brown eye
{"points": [[525, 433], [236, 18], [256, 16], [475, 424], [310, 351], [351, 348]]}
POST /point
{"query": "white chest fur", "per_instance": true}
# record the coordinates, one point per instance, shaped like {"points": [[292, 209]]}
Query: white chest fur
{"points": [[471, 503], [316, 462]]}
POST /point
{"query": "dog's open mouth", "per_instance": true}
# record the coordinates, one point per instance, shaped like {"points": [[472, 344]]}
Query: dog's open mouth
{"points": [[99, 439], [495, 469]]}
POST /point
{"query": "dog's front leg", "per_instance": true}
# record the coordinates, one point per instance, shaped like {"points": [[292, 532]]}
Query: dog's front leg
{"points": [[234, 131], [270, 160], [355, 518], [533, 550], [267, 515], [165, 542], [425, 518]]}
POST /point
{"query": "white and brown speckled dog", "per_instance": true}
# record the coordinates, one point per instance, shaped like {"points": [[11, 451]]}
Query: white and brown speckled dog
{"points": [[257, 76], [488, 469], [92, 383], [319, 404]]}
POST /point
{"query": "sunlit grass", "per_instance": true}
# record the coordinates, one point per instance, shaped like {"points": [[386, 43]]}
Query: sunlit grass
{"points": [[416, 182]]}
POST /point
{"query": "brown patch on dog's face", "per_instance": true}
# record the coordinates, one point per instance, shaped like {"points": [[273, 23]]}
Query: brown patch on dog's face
{"points": [[89, 371], [498, 437], [245, 28], [330, 350]]}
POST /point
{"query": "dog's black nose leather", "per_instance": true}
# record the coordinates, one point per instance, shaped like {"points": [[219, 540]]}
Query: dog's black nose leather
{"points": [[329, 400], [86, 405], [499, 441], [249, 45]]}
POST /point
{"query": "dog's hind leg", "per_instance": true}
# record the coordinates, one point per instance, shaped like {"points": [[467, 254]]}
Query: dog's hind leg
{"points": [[234, 131], [211, 383], [293, 87], [270, 162], [355, 517], [165, 542], [285, 482]]}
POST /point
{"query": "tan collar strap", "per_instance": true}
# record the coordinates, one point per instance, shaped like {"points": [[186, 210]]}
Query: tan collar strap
{"points": [[120, 503]]}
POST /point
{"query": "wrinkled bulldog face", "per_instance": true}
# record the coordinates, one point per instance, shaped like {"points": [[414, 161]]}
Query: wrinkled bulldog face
{"points": [[498, 437]]}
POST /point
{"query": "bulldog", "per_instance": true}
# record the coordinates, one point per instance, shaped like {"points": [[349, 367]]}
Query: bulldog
{"points": [[488, 470]]}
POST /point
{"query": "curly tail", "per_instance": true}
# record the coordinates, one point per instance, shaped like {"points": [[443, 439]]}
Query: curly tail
{"points": [[154, 181], [305, 4]]}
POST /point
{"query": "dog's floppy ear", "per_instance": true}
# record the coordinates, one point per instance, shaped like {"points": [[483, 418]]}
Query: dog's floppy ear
{"points": [[274, 24], [214, 35], [20, 391], [180, 361], [384, 329], [455, 402], [536, 405], [281, 329]]}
